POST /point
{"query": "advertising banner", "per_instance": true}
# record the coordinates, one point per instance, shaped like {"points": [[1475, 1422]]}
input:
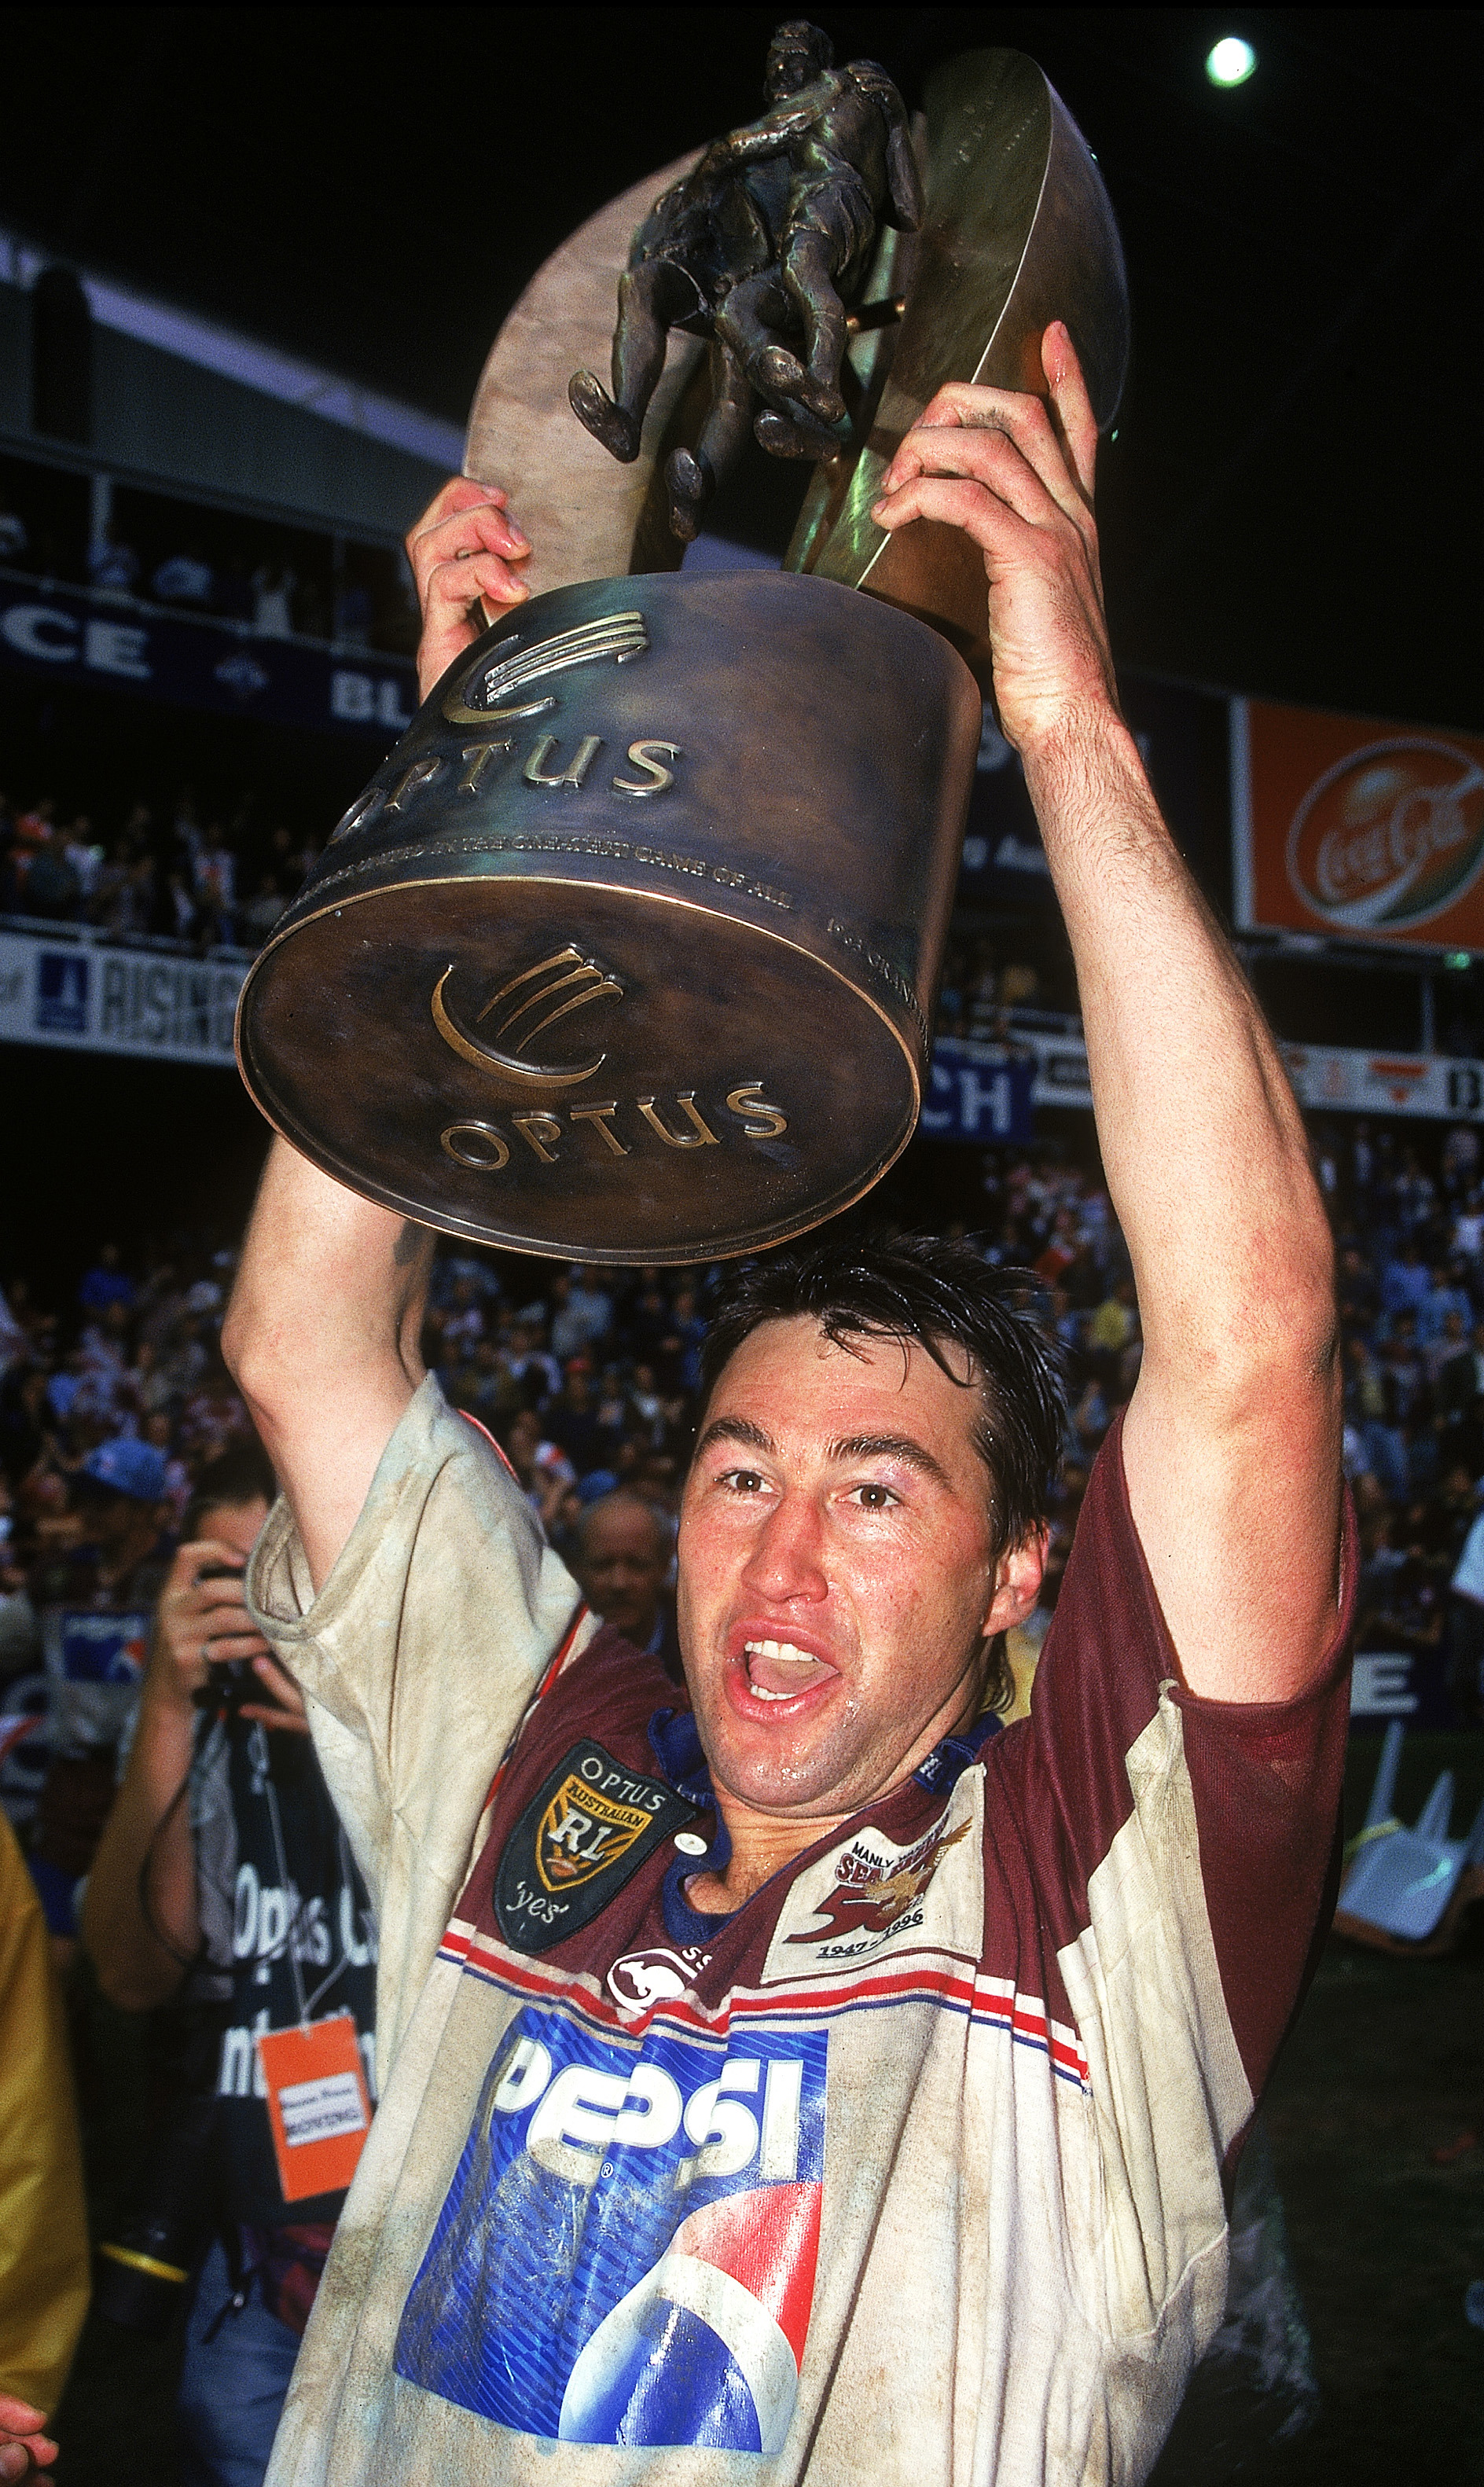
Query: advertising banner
{"points": [[1357, 829], [101, 999], [1407, 1683], [1425, 1084], [58, 633], [985, 1093], [977, 1092]]}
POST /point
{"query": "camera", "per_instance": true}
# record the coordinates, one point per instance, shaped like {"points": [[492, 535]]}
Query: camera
{"points": [[230, 1679]]}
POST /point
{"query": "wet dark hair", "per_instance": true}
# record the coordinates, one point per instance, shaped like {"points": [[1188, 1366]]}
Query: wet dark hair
{"points": [[942, 1295]]}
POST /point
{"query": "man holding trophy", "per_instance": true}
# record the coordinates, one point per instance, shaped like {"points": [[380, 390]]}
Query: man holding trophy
{"points": [[801, 2067]]}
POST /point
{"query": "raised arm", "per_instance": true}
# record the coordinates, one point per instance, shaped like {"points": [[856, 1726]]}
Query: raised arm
{"points": [[1231, 1443], [322, 1337], [326, 1315]]}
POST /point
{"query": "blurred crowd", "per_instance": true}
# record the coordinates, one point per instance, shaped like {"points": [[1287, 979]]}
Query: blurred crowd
{"points": [[981, 983], [1409, 1231], [174, 870], [178, 557]]}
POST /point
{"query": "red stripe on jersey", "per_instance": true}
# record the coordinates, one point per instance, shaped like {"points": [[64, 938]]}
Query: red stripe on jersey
{"points": [[490, 1438]]}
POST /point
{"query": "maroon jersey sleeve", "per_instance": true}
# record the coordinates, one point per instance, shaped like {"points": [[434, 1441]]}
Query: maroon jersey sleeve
{"points": [[1264, 1777]]}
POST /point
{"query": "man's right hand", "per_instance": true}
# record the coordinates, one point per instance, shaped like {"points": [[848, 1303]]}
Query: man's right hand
{"points": [[462, 549], [202, 1620]]}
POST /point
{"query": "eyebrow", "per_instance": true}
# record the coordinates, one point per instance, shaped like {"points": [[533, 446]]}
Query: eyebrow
{"points": [[735, 1429], [889, 1446], [850, 1446]]}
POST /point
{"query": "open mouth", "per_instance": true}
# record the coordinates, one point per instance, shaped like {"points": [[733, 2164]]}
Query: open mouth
{"points": [[780, 1671]]}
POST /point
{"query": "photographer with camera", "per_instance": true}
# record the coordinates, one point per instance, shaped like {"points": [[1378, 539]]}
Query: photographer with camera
{"points": [[224, 1875]]}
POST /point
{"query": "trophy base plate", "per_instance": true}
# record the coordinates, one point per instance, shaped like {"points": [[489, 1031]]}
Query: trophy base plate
{"points": [[778, 1091]]}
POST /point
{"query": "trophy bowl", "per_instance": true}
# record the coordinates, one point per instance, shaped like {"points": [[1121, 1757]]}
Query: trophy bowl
{"points": [[627, 953]]}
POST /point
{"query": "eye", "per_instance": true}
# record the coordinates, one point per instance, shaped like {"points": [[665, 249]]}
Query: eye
{"points": [[872, 1497], [742, 1480]]}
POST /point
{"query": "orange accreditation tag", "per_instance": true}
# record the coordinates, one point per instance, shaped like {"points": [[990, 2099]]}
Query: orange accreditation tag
{"points": [[318, 2105]]}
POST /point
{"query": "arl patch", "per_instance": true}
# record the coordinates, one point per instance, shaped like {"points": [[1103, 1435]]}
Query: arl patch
{"points": [[589, 1826]]}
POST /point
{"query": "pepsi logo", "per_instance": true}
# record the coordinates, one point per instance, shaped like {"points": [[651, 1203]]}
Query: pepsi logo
{"points": [[727, 2310], [626, 2252], [1389, 836]]}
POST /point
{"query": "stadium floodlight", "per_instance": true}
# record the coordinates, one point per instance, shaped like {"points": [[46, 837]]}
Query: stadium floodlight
{"points": [[1230, 61]]}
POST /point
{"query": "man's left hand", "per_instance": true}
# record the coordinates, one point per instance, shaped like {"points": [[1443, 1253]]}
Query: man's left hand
{"points": [[1016, 475]]}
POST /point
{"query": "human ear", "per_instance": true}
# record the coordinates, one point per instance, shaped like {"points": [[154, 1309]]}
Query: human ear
{"points": [[1017, 1582]]}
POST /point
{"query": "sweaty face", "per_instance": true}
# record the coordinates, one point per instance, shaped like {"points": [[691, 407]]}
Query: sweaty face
{"points": [[836, 1569]]}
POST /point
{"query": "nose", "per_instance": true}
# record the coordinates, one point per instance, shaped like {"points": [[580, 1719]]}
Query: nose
{"points": [[786, 1560]]}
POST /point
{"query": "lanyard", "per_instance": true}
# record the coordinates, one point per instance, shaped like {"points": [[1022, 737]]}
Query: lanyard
{"points": [[258, 1749]]}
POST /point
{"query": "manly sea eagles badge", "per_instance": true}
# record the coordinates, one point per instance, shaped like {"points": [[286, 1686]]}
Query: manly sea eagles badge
{"points": [[588, 1827]]}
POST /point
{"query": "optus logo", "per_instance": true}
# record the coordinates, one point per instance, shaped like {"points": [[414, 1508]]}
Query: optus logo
{"points": [[1392, 835]]}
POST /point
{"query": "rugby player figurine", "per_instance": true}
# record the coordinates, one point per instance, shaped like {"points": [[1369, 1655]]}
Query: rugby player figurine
{"points": [[758, 249], [803, 2066]]}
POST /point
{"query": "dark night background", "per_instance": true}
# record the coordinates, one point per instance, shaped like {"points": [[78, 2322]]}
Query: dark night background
{"points": [[1291, 506]]}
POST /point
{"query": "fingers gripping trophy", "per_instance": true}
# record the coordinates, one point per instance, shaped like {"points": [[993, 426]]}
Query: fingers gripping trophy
{"points": [[629, 950]]}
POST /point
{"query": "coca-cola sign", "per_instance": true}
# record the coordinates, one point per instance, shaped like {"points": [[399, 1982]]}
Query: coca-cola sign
{"points": [[1369, 832], [1392, 835]]}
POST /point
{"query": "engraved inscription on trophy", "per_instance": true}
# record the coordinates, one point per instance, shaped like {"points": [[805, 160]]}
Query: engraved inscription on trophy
{"points": [[544, 768], [421, 773], [477, 756], [699, 1134], [487, 694], [566, 974], [678, 1121], [537, 773]]}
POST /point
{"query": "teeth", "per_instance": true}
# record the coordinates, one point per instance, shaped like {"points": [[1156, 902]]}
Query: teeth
{"points": [[783, 1649]]}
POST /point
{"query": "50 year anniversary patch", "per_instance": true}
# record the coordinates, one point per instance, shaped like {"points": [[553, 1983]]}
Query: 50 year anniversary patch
{"points": [[589, 1826]]}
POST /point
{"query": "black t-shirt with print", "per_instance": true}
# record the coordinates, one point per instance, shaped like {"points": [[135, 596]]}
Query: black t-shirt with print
{"points": [[303, 1947]]}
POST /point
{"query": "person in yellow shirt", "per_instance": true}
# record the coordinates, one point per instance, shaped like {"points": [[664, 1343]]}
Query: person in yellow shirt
{"points": [[43, 2235]]}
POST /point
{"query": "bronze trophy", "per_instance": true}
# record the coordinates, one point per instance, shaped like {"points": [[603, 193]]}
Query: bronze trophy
{"points": [[629, 951]]}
